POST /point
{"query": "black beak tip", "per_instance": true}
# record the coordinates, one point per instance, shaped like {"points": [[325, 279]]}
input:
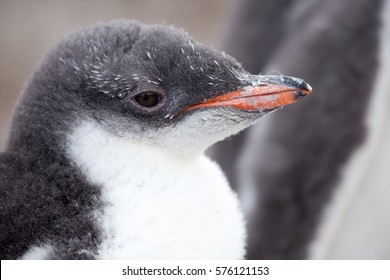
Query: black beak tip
{"points": [[305, 87]]}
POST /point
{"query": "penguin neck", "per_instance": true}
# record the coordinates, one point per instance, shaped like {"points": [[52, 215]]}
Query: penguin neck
{"points": [[39, 128], [101, 154], [38, 141]]}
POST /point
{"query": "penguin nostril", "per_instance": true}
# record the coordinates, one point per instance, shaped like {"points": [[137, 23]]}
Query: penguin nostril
{"points": [[148, 99]]}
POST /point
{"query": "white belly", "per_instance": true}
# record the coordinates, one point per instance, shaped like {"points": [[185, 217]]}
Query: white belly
{"points": [[157, 206]]}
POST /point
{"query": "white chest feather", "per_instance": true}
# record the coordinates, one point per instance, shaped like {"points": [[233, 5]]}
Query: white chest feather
{"points": [[158, 206]]}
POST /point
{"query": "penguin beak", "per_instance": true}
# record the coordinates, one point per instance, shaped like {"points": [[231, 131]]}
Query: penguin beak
{"points": [[260, 93]]}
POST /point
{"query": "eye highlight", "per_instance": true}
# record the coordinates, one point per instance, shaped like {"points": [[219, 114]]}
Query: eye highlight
{"points": [[148, 99]]}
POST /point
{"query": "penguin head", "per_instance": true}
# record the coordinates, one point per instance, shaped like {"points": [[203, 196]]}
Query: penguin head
{"points": [[154, 84]]}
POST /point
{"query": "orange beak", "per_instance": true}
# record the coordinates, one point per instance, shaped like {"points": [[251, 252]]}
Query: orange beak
{"points": [[271, 94]]}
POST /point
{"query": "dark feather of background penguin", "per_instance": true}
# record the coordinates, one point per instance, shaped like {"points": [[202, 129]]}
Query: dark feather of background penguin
{"points": [[303, 172], [105, 155]]}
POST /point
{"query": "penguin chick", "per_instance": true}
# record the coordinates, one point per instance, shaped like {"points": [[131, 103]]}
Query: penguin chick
{"points": [[105, 155]]}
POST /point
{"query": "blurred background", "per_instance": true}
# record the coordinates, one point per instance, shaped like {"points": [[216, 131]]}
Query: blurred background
{"points": [[312, 177]]}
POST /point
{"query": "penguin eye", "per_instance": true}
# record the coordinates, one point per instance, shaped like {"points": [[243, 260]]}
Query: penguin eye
{"points": [[148, 98]]}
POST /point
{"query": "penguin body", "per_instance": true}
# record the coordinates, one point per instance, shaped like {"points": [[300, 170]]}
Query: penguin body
{"points": [[105, 156]]}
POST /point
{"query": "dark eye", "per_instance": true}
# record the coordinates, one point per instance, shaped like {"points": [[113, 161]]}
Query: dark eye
{"points": [[148, 98]]}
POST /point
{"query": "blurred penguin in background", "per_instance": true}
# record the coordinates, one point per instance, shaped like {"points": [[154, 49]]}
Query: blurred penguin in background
{"points": [[314, 178]]}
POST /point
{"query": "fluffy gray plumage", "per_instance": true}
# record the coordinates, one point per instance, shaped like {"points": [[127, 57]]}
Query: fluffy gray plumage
{"points": [[94, 72], [98, 73]]}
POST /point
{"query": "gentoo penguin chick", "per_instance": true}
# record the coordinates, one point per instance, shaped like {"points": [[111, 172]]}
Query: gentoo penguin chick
{"points": [[105, 156]]}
